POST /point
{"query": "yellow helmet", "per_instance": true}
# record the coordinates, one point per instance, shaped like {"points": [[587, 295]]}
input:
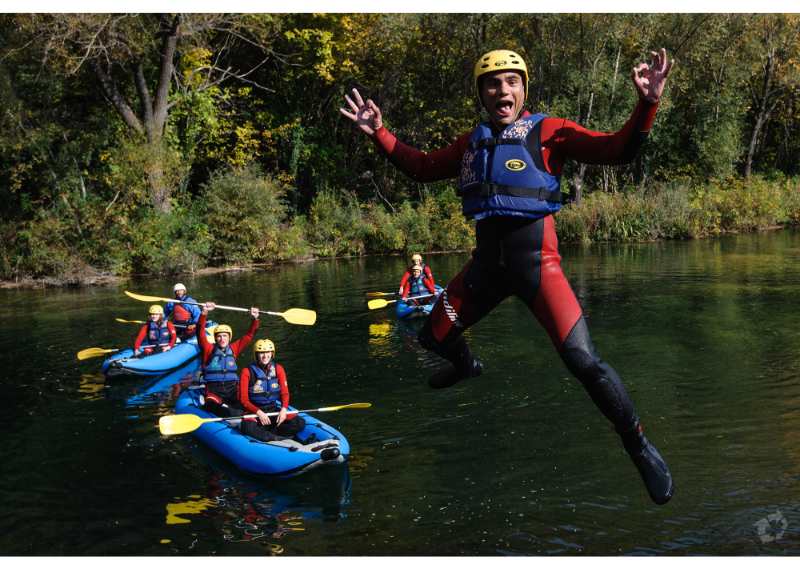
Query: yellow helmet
{"points": [[223, 329], [499, 60], [156, 309], [264, 346], [414, 258]]}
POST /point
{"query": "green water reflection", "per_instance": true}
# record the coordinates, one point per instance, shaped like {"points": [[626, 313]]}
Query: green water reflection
{"points": [[704, 335]]}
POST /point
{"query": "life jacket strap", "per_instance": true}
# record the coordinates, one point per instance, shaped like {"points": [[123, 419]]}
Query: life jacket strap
{"points": [[489, 190], [492, 142]]}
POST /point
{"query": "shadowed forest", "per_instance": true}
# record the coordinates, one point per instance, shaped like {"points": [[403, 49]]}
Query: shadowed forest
{"points": [[170, 143]]}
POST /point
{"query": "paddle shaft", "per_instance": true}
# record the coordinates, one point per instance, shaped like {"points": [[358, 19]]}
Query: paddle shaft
{"points": [[292, 316], [222, 306], [273, 413], [186, 423], [253, 415], [411, 298], [123, 321], [238, 309]]}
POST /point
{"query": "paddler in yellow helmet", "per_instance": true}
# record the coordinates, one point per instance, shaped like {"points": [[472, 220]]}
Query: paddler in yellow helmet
{"points": [[263, 389], [157, 335], [219, 362], [509, 170]]}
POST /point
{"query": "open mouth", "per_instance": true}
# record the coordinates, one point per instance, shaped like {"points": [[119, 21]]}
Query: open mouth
{"points": [[504, 108]]}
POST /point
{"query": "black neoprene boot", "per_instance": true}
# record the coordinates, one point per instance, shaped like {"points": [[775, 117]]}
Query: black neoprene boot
{"points": [[449, 376], [457, 352], [653, 468]]}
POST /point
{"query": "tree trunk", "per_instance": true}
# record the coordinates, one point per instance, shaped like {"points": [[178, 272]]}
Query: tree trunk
{"points": [[117, 100], [168, 46], [614, 80], [577, 179], [159, 191], [763, 112], [153, 111]]}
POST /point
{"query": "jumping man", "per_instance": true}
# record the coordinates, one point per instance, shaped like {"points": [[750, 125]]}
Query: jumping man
{"points": [[508, 172]]}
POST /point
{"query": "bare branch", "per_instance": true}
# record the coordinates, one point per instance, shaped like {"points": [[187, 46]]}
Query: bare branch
{"points": [[90, 46], [144, 99], [227, 73]]}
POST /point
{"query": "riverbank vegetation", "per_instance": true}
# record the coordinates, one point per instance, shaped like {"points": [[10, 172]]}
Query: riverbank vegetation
{"points": [[171, 143]]}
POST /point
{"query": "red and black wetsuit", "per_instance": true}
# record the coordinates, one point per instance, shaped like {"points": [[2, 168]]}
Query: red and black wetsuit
{"points": [[519, 256], [222, 392]]}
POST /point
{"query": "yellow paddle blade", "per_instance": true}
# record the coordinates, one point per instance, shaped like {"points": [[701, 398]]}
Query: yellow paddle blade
{"points": [[129, 321], [94, 352], [301, 316], [377, 294], [145, 298], [179, 424], [348, 406], [377, 303]]}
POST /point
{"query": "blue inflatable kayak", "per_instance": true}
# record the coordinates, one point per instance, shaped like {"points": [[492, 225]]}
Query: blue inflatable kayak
{"points": [[160, 389], [124, 362], [278, 458], [409, 310]]}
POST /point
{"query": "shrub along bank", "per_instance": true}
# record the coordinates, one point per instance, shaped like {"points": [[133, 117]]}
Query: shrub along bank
{"points": [[242, 217]]}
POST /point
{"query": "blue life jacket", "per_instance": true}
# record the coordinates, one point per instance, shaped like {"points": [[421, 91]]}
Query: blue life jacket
{"points": [[504, 174], [222, 366], [185, 314], [264, 388], [417, 286], [156, 334]]}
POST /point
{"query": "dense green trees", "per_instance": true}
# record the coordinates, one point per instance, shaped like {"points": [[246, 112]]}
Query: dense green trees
{"points": [[136, 143]]}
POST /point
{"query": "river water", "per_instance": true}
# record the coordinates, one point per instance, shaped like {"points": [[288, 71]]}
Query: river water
{"points": [[704, 334]]}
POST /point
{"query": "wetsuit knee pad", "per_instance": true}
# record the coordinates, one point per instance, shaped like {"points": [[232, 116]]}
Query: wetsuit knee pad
{"points": [[599, 379], [579, 354]]}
